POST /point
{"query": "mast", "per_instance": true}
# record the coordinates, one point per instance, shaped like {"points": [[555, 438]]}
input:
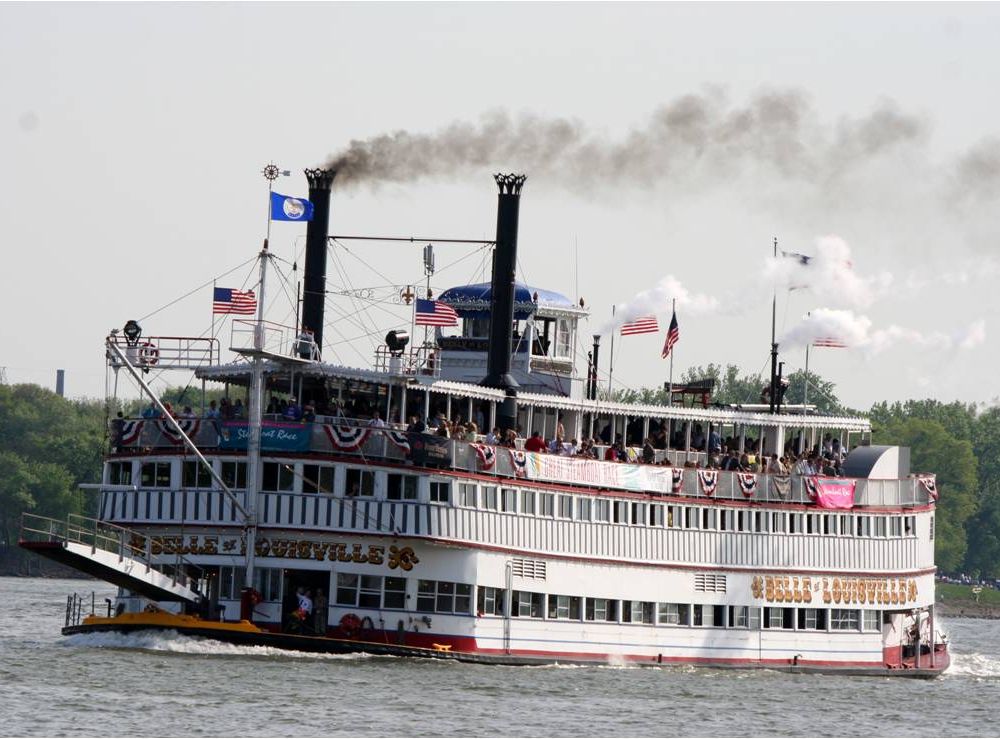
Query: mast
{"points": [[774, 343]]}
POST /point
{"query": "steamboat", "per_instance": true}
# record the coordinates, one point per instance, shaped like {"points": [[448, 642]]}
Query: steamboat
{"points": [[351, 524]]}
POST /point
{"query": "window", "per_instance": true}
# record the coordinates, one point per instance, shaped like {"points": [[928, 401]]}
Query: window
{"points": [[932, 529], [277, 477], [620, 510], [528, 502], [490, 498], [234, 474], [760, 520], [564, 606], [896, 526], [742, 520], [880, 527], [565, 506], [347, 589], [830, 524], [394, 595], [370, 593], [489, 601], [602, 510], [843, 619], [120, 473], [548, 504], [863, 525], [526, 605], [583, 508], [440, 492], [871, 621], [779, 618], [690, 518], [778, 523], [794, 523], [812, 619], [708, 519], [845, 525], [195, 475], [674, 613], [155, 475], [317, 479], [739, 617], [703, 615], [656, 514], [725, 523], [564, 338], [402, 487], [443, 597], [267, 582], [637, 611], [358, 483], [638, 514], [508, 500], [601, 609], [910, 525], [675, 516]]}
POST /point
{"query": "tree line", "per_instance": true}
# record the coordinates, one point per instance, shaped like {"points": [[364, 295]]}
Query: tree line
{"points": [[49, 445]]}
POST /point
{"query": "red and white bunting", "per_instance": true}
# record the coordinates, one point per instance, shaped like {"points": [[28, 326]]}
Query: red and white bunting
{"points": [[929, 483], [708, 480], [748, 483], [346, 438], [677, 482], [486, 454]]}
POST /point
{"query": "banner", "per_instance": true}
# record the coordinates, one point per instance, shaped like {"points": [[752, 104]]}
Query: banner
{"points": [[400, 440], [346, 438], [274, 436], [782, 485], [189, 426], [830, 492], [708, 480], [429, 451]]}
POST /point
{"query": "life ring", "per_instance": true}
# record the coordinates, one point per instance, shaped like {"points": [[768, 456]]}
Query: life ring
{"points": [[148, 353], [350, 625]]}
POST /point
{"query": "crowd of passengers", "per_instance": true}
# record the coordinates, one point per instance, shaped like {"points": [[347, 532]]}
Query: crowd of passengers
{"points": [[825, 458]]}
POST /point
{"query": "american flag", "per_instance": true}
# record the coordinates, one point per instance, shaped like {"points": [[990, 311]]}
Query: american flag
{"points": [[228, 300], [643, 325], [673, 334], [433, 313], [829, 341]]}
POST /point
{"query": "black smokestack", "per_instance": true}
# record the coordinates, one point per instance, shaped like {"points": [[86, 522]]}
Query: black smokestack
{"points": [[502, 294], [314, 287]]}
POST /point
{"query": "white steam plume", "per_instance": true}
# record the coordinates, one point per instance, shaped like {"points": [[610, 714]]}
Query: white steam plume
{"points": [[657, 301], [857, 332], [829, 275]]}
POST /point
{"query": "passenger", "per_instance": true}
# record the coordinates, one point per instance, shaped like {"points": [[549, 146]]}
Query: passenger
{"points": [[187, 413], [510, 439], [494, 437], [471, 432], [535, 444], [556, 445], [648, 452], [292, 411], [213, 410], [309, 413], [238, 410], [442, 430], [151, 411], [416, 425], [376, 421], [225, 410]]}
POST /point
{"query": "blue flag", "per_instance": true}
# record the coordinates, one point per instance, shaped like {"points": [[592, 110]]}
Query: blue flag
{"points": [[287, 208]]}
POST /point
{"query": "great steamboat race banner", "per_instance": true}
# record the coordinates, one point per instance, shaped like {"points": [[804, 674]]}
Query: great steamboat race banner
{"points": [[554, 468], [274, 436]]}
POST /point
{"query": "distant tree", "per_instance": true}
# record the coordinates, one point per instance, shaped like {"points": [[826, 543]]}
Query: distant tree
{"points": [[934, 449], [731, 386], [821, 392]]}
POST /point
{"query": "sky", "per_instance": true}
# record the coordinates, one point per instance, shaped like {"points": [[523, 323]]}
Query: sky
{"points": [[666, 147]]}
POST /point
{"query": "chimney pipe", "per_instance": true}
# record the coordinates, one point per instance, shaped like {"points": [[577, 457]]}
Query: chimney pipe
{"points": [[314, 281], [502, 295], [592, 380]]}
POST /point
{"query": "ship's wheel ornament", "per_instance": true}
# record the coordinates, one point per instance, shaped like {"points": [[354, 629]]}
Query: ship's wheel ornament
{"points": [[271, 172]]}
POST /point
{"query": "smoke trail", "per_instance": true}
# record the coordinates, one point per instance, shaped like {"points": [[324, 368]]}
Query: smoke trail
{"points": [[856, 331], [695, 139], [828, 273], [658, 300]]}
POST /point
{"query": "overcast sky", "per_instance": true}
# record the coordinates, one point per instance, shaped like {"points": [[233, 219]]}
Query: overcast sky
{"points": [[659, 140]]}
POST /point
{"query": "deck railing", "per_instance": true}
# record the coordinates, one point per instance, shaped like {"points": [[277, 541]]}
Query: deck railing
{"points": [[390, 444]]}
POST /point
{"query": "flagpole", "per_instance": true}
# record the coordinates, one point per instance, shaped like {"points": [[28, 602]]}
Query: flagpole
{"points": [[805, 393], [611, 360], [674, 313], [774, 346]]}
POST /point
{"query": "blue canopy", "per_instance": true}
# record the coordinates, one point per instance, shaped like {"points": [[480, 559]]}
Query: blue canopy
{"points": [[473, 301]]}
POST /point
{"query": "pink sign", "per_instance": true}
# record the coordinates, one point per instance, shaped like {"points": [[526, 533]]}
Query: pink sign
{"points": [[831, 492]]}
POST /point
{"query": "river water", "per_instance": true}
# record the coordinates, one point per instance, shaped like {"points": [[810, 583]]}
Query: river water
{"points": [[148, 685]]}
